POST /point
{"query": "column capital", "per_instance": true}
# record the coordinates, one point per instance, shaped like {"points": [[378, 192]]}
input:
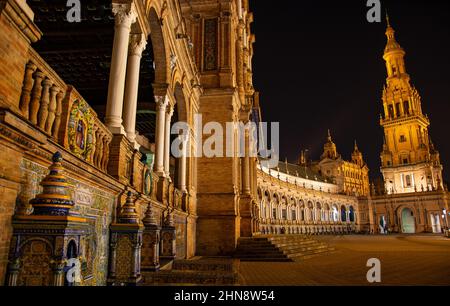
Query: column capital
{"points": [[138, 43], [125, 14], [161, 102], [170, 110]]}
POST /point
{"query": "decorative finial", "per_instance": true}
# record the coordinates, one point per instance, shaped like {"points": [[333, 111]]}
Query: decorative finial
{"points": [[128, 213], [387, 20], [54, 199], [356, 146], [149, 218], [57, 157], [329, 135], [169, 221]]}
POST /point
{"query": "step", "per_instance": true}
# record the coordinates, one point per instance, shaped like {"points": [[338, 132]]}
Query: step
{"points": [[304, 250], [282, 245], [256, 251], [256, 245], [190, 277], [265, 244], [310, 252], [257, 248], [259, 259], [279, 255], [206, 264], [279, 248]]}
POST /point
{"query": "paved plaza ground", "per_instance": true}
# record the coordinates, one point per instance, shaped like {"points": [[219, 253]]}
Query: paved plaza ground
{"points": [[405, 260]]}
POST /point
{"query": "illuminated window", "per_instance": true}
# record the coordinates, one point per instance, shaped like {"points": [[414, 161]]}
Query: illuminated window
{"points": [[391, 111], [284, 214], [408, 181], [406, 107], [402, 138]]}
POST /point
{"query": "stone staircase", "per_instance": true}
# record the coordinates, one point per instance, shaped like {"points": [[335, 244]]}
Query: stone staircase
{"points": [[195, 272], [280, 248]]}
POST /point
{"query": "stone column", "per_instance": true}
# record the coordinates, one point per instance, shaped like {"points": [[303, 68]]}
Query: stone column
{"points": [[161, 105], [246, 163], [138, 43], [125, 16], [169, 114], [184, 151]]}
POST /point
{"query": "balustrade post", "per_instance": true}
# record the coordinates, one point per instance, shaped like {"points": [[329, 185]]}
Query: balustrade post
{"points": [[26, 89], [56, 124], [94, 143], [51, 109], [36, 97], [106, 153], [45, 101]]}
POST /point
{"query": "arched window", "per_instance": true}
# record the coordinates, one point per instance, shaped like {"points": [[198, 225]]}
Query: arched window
{"points": [[352, 214], [71, 253], [311, 211], [335, 214], [343, 214]]}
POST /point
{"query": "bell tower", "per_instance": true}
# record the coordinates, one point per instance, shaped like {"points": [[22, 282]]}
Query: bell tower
{"points": [[409, 161]]}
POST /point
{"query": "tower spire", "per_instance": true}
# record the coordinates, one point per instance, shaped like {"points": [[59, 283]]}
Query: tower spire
{"points": [[403, 118], [387, 20], [390, 32]]}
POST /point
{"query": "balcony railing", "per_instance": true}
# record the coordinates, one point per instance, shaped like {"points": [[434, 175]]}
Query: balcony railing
{"points": [[59, 111]]}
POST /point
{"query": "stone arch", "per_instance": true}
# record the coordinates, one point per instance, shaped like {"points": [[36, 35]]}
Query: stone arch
{"points": [[181, 115], [351, 214], [159, 48], [310, 210], [343, 213], [335, 213], [181, 105], [407, 216], [284, 207], [301, 207]]}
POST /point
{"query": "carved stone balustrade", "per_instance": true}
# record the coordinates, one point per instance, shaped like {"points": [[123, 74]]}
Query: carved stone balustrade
{"points": [[59, 111]]}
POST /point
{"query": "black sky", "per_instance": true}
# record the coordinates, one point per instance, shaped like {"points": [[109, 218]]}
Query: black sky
{"points": [[318, 65]]}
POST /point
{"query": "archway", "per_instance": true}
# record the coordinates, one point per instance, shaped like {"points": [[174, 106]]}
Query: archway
{"points": [[343, 214], [158, 48], [383, 225], [335, 214], [408, 221], [183, 180], [72, 252], [352, 214], [436, 223], [311, 211]]}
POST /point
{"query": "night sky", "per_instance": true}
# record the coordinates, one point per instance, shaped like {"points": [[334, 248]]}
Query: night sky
{"points": [[318, 65]]}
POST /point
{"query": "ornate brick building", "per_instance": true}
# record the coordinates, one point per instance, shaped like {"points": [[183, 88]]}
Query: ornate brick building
{"points": [[106, 92], [87, 122]]}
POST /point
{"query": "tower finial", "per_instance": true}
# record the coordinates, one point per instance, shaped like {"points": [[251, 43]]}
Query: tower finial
{"points": [[356, 146], [387, 19], [329, 135]]}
